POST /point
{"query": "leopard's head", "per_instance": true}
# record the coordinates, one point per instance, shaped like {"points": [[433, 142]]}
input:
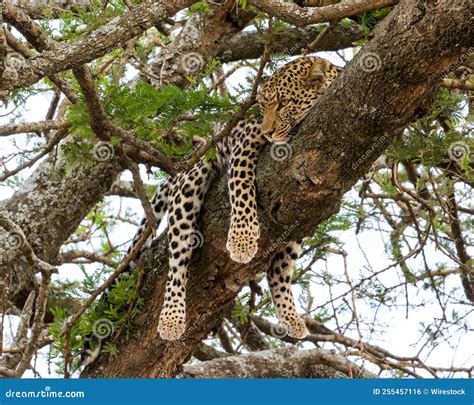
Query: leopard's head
{"points": [[288, 95]]}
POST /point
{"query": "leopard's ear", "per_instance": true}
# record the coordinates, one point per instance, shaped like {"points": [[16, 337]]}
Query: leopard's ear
{"points": [[316, 73]]}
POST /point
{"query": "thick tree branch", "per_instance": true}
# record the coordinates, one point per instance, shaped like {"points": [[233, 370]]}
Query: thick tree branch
{"points": [[122, 189], [10, 360], [467, 272], [278, 363], [28, 53], [72, 196], [304, 16], [16, 241], [71, 255], [48, 9], [3, 49], [40, 126], [375, 354], [201, 39], [28, 27], [291, 41], [205, 352]]}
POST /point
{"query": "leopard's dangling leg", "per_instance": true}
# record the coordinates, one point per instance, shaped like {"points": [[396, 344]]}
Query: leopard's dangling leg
{"points": [[186, 196], [279, 281], [244, 231]]}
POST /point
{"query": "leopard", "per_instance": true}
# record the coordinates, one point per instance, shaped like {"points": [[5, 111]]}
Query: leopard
{"points": [[284, 99]]}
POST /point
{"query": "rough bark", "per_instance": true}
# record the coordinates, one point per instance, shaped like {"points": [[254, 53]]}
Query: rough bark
{"points": [[278, 363], [249, 44], [205, 352], [302, 16], [50, 205], [49, 8], [348, 128]]}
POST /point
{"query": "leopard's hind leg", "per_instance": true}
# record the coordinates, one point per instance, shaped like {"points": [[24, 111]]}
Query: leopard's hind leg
{"points": [[279, 281]]}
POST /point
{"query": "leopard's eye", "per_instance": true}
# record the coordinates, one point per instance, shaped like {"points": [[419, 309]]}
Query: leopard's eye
{"points": [[284, 102]]}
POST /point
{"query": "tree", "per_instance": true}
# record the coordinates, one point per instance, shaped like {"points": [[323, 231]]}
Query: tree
{"points": [[394, 98]]}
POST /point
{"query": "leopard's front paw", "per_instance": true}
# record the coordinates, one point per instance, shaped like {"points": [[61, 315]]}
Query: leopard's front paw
{"points": [[171, 326], [242, 243]]}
